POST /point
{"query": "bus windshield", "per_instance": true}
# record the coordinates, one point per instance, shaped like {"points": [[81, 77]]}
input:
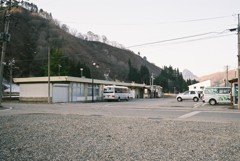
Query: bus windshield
{"points": [[108, 90]]}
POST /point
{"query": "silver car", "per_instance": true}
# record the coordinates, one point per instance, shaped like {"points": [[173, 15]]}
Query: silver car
{"points": [[189, 95]]}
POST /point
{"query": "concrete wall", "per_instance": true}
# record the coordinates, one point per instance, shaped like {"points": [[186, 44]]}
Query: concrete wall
{"points": [[35, 92]]}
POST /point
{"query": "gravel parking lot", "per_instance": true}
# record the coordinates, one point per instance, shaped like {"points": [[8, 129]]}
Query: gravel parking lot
{"points": [[78, 137]]}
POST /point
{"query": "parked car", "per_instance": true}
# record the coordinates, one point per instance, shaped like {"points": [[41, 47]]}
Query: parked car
{"points": [[217, 95], [189, 95]]}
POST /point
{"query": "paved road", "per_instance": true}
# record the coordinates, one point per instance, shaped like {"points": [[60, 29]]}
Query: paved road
{"points": [[155, 129], [164, 108]]}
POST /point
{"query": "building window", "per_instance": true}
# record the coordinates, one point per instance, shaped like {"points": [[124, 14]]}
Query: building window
{"points": [[81, 89], [89, 89], [96, 89]]}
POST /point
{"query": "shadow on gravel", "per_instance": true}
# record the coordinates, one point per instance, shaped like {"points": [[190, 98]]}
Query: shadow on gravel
{"points": [[4, 108]]}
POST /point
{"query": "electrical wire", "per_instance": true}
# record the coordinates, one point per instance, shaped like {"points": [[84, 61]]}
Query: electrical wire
{"points": [[174, 39], [168, 40], [205, 19], [199, 39], [157, 23]]}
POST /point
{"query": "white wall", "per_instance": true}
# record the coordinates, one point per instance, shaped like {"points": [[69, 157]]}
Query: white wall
{"points": [[199, 86], [35, 90]]}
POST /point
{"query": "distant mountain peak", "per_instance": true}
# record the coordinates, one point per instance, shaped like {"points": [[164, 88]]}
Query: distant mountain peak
{"points": [[187, 74]]}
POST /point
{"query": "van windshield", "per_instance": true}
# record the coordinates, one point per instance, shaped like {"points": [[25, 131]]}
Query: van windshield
{"points": [[108, 90]]}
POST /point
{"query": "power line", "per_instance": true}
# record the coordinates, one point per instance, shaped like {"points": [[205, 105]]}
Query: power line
{"points": [[205, 19], [174, 39], [199, 39], [158, 23]]}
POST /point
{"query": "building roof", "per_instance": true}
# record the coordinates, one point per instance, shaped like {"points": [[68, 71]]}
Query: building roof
{"points": [[55, 79], [233, 80]]}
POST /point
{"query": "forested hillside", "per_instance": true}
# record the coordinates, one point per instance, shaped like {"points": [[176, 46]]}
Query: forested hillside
{"points": [[34, 32]]}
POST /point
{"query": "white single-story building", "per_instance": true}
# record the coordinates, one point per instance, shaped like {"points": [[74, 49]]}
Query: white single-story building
{"points": [[200, 86], [70, 89]]}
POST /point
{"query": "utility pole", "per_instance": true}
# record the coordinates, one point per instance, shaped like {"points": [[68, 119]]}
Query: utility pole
{"points": [[226, 81], [238, 32], [151, 85], [5, 37], [97, 66], [11, 63], [49, 75], [238, 68]]}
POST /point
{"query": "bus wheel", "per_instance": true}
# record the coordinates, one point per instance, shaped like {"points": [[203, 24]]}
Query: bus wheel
{"points": [[212, 102]]}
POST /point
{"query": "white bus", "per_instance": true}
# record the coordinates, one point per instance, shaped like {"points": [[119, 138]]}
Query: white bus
{"points": [[116, 93], [217, 95]]}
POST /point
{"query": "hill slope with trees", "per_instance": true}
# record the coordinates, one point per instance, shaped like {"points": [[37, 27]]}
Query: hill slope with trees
{"points": [[34, 32]]}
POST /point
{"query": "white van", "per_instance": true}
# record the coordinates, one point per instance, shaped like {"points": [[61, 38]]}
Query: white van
{"points": [[217, 95]]}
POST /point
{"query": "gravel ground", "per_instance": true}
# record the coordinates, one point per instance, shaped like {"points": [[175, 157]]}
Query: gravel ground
{"points": [[75, 137]]}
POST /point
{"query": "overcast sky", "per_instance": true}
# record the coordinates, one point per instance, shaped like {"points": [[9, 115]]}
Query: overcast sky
{"points": [[186, 34]]}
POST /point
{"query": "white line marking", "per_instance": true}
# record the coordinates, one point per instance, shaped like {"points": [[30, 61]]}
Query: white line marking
{"points": [[204, 104], [189, 115], [197, 105]]}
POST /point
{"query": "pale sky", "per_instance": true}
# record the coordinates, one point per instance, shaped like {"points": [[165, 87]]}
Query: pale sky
{"points": [[210, 48]]}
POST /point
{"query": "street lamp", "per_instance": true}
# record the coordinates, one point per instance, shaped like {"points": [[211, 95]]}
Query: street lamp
{"points": [[81, 69], [59, 68], [97, 66], [151, 84]]}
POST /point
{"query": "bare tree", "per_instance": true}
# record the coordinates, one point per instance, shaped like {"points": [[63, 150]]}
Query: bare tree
{"points": [[65, 28]]}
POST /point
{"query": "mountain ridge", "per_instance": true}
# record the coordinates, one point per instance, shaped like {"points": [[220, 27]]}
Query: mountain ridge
{"points": [[34, 34], [217, 78]]}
